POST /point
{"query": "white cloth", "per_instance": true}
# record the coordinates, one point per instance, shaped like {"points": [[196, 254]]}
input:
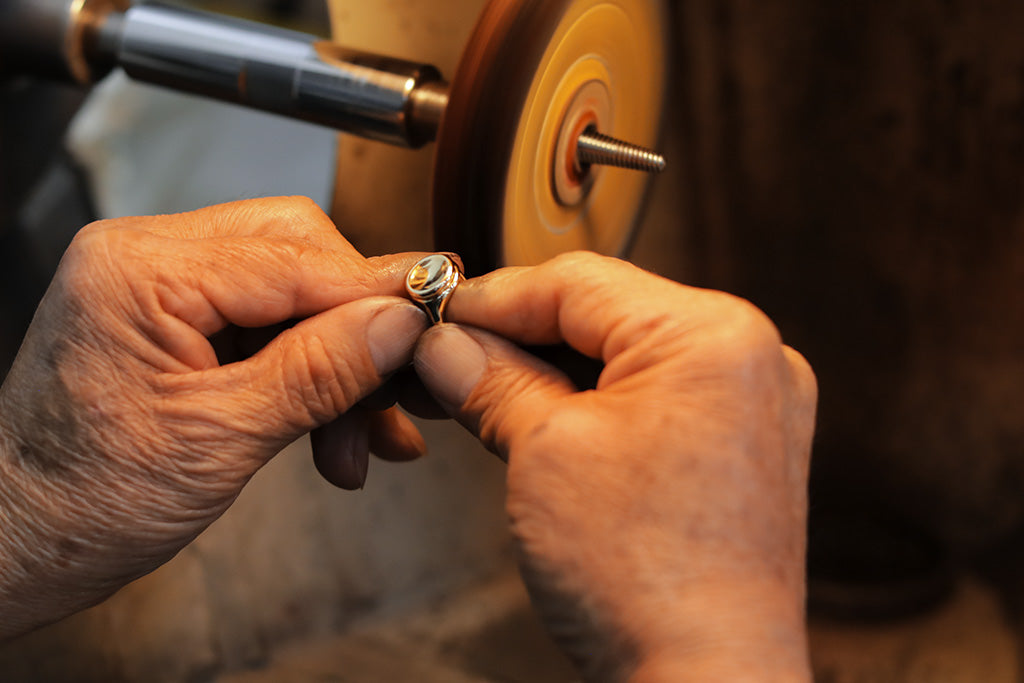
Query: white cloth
{"points": [[148, 150]]}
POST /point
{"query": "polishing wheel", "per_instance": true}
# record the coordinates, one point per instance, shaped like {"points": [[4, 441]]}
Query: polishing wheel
{"points": [[550, 114], [536, 74]]}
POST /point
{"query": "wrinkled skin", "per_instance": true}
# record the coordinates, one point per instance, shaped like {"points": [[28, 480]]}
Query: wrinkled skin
{"points": [[123, 434], [660, 518]]}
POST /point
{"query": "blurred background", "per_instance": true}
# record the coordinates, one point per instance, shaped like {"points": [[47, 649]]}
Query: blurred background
{"points": [[854, 169]]}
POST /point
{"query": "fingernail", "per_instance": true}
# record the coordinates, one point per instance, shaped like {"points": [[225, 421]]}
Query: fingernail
{"points": [[450, 363], [392, 335]]}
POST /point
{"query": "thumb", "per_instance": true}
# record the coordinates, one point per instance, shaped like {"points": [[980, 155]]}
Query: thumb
{"points": [[317, 370], [495, 389]]}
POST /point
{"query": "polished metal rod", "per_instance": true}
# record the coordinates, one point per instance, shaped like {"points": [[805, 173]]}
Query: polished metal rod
{"points": [[263, 67], [276, 70]]}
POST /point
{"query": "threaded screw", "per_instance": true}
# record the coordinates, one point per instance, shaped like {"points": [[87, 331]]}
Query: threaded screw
{"points": [[595, 148]]}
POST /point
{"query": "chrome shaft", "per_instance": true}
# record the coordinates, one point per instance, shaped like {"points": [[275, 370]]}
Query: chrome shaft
{"points": [[259, 66]]}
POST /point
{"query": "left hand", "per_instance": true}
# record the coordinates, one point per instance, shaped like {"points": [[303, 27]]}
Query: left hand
{"points": [[123, 435]]}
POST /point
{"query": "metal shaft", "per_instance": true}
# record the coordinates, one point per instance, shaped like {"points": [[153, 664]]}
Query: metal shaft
{"points": [[263, 67], [594, 148]]}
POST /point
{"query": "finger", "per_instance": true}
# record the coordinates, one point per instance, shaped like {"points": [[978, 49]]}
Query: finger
{"points": [[252, 292], [598, 305], [261, 283], [296, 218], [385, 396], [416, 400], [250, 263], [498, 391], [394, 437], [341, 449], [308, 376], [405, 388], [280, 255], [233, 343]]}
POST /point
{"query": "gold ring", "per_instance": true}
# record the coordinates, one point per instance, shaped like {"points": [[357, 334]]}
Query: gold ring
{"points": [[431, 281]]}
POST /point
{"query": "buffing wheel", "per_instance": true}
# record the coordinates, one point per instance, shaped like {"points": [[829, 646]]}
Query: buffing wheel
{"points": [[534, 75]]}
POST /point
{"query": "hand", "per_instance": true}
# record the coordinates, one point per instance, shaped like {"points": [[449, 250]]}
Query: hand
{"points": [[123, 435], [660, 518]]}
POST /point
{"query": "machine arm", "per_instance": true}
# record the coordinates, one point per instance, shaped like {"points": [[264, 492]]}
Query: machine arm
{"points": [[263, 67]]}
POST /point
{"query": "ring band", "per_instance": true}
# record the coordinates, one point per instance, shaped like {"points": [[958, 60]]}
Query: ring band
{"points": [[431, 281]]}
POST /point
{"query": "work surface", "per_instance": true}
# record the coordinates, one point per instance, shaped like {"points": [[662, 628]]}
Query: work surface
{"points": [[489, 633]]}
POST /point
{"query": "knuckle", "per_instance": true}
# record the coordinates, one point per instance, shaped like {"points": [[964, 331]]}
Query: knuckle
{"points": [[600, 274], [318, 384], [300, 206], [743, 338], [804, 379], [300, 209], [96, 236], [581, 262], [93, 228], [291, 217], [97, 251], [576, 258], [284, 204], [746, 326]]}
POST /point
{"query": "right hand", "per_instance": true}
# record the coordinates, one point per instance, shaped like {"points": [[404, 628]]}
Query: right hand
{"points": [[660, 518]]}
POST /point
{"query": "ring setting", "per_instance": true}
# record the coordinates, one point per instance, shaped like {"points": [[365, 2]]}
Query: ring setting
{"points": [[431, 282]]}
